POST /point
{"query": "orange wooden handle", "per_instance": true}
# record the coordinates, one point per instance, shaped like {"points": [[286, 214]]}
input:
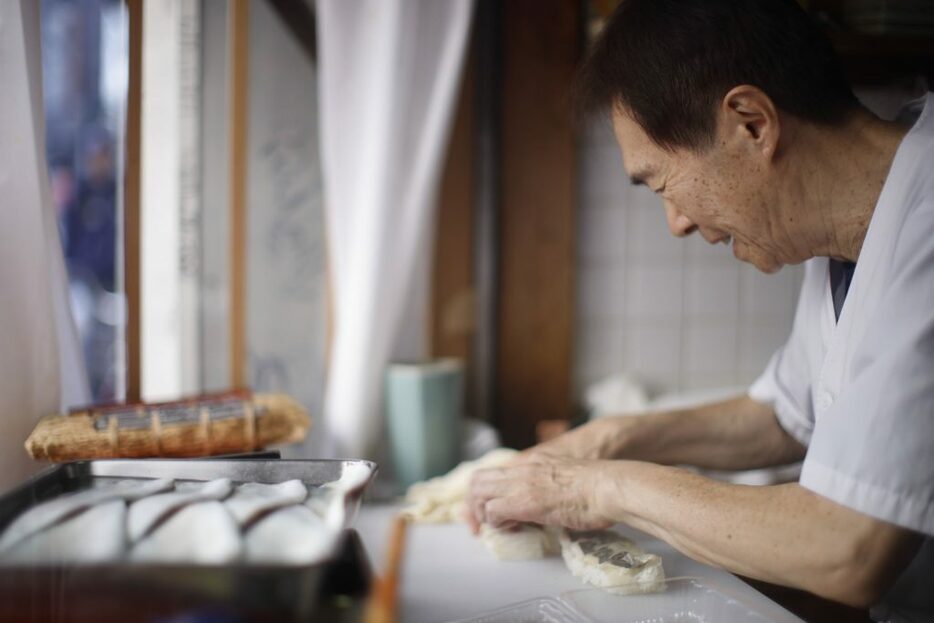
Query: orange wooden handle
{"points": [[384, 597]]}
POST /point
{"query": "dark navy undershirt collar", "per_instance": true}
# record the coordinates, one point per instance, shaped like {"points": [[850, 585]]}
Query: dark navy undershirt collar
{"points": [[841, 274]]}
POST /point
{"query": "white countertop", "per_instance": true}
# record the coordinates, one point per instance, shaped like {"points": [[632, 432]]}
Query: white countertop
{"points": [[448, 575]]}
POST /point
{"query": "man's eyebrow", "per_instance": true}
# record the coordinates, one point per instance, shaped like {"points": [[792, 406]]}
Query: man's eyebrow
{"points": [[639, 176]]}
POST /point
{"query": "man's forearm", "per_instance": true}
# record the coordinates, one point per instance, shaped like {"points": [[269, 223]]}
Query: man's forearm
{"points": [[734, 434], [782, 534]]}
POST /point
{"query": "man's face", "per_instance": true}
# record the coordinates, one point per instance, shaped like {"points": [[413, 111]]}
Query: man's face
{"points": [[722, 192]]}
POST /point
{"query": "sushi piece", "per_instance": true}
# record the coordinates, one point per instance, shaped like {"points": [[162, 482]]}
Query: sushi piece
{"points": [[252, 499], [612, 562], [201, 533], [93, 536], [44, 515], [523, 542], [291, 535], [146, 514], [353, 477], [329, 501], [321, 499]]}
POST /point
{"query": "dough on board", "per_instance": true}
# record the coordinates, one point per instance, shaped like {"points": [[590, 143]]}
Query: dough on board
{"points": [[612, 562], [602, 558], [441, 499]]}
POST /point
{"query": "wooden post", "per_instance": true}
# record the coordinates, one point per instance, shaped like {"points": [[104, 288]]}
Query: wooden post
{"points": [[239, 32], [452, 285], [541, 47], [131, 203]]}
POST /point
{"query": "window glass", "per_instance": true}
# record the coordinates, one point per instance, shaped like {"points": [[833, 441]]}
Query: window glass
{"points": [[84, 66]]}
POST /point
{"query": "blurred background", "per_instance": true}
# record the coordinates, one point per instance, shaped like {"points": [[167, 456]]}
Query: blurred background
{"points": [[545, 273]]}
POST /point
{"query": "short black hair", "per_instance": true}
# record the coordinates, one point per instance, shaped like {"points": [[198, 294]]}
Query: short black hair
{"points": [[670, 62]]}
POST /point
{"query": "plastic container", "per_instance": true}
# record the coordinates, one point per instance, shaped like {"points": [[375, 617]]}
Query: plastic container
{"points": [[683, 600], [542, 610]]}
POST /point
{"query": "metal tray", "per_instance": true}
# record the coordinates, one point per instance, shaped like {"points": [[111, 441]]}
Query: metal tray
{"points": [[129, 592]]}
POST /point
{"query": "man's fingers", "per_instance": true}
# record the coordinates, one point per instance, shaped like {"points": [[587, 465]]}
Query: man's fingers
{"points": [[481, 490], [495, 490], [496, 512], [506, 512], [471, 520], [541, 489], [488, 483], [524, 457], [538, 457], [490, 474], [477, 508]]}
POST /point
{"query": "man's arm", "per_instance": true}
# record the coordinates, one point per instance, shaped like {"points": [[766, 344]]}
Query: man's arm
{"points": [[783, 534], [739, 433]]}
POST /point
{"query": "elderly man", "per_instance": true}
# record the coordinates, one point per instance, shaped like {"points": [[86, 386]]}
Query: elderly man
{"points": [[736, 113]]}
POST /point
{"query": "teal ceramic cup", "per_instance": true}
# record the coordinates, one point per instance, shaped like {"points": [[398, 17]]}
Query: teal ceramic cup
{"points": [[423, 406]]}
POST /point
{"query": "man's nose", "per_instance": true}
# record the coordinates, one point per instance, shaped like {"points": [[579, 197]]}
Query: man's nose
{"points": [[679, 224]]}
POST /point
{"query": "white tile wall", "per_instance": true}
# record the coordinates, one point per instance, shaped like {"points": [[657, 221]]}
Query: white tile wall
{"points": [[653, 351], [648, 234], [710, 348], [606, 237], [598, 347], [712, 292], [600, 290], [678, 314], [654, 291]]}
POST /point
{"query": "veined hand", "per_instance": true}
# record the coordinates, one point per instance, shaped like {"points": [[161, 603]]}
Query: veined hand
{"points": [[539, 488]]}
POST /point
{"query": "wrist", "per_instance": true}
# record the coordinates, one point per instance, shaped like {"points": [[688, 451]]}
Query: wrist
{"points": [[610, 494], [616, 436]]}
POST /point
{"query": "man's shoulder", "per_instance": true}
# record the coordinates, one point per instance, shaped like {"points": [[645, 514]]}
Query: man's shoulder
{"points": [[919, 141], [912, 172], [919, 115]]}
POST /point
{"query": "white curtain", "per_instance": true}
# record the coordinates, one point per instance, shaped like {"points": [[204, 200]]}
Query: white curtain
{"points": [[41, 367], [389, 74]]}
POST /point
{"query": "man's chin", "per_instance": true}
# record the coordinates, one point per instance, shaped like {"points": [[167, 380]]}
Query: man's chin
{"points": [[771, 269], [766, 265]]}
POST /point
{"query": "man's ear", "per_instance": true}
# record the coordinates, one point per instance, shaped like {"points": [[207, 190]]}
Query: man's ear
{"points": [[747, 113]]}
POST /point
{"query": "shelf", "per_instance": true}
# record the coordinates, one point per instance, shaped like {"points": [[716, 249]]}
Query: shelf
{"points": [[878, 58], [883, 46]]}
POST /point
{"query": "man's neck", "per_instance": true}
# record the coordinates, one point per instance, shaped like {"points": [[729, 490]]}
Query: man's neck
{"points": [[837, 176]]}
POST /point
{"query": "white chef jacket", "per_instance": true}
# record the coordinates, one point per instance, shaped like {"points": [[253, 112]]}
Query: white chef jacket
{"points": [[859, 391]]}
